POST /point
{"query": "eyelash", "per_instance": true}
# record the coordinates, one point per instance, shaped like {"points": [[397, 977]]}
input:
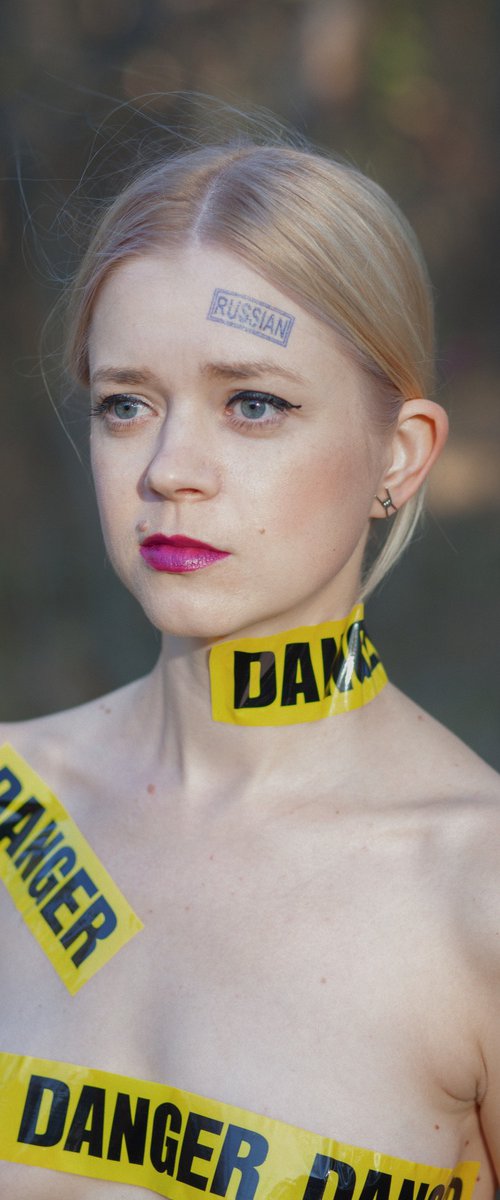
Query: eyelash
{"points": [[104, 408], [279, 406]]}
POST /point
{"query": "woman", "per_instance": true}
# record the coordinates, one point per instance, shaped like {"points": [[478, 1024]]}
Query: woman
{"points": [[312, 858]]}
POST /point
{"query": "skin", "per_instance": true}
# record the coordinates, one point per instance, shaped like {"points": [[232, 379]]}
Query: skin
{"points": [[321, 911]]}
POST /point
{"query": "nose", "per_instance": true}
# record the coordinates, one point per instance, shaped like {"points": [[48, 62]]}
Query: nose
{"points": [[182, 466]]}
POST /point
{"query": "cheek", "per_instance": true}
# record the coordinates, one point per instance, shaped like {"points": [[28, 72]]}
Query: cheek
{"points": [[111, 489], [327, 489], [112, 465]]}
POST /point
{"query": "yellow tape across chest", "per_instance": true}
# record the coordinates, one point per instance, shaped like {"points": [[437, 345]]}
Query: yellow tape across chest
{"points": [[178, 1145], [68, 900], [303, 674]]}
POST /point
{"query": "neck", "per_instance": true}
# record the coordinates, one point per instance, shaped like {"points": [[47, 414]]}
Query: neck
{"points": [[200, 755]]}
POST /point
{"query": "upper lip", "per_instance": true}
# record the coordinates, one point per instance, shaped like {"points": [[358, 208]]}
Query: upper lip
{"points": [[178, 539]]}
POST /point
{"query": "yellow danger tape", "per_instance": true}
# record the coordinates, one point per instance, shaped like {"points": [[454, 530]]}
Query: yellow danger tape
{"points": [[300, 675], [106, 1126], [66, 897]]}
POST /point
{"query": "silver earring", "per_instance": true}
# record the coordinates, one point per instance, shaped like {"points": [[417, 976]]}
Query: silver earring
{"points": [[387, 503]]}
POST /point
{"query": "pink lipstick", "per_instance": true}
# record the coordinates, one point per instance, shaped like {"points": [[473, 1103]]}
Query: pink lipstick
{"points": [[178, 554]]}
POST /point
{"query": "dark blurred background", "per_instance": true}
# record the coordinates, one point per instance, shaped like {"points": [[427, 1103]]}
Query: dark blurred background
{"points": [[406, 89]]}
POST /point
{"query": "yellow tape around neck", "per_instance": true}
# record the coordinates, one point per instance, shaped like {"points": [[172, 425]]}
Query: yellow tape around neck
{"points": [[181, 1146], [303, 674], [68, 900]]}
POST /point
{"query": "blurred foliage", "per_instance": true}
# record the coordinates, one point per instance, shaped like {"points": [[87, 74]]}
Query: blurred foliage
{"points": [[408, 90]]}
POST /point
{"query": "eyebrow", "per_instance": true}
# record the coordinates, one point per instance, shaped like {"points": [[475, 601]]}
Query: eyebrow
{"points": [[131, 375], [247, 368], [135, 377]]}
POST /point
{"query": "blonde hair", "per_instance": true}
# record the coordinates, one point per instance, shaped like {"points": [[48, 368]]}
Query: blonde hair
{"points": [[316, 228]]}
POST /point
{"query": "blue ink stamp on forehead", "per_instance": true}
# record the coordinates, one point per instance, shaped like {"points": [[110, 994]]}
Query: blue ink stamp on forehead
{"points": [[250, 315]]}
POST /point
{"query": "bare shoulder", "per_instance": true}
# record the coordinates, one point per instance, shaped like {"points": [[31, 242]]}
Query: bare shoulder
{"points": [[459, 796], [434, 761], [456, 797], [66, 743]]}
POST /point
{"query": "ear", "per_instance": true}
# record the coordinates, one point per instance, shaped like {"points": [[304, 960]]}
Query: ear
{"points": [[417, 442]]}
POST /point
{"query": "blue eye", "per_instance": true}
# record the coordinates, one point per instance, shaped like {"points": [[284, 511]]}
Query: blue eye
{"points": [[124, 407], [258, 408], [253, 407], [121, 408]]}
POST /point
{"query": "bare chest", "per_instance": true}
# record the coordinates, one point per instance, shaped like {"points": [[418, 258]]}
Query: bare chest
{"points": [[294, 976]]}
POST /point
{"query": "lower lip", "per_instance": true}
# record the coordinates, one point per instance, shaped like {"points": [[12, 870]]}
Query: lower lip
{"points": [[178, 560]]}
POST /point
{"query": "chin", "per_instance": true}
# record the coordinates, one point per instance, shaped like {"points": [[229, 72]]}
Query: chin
{"points": [[182, 621], [176, 614], [211, 626], [211, 622], [212, 614]]}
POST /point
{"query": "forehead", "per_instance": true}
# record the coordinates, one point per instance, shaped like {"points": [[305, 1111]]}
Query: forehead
{"points": [[206, 300], [175, 313]]}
